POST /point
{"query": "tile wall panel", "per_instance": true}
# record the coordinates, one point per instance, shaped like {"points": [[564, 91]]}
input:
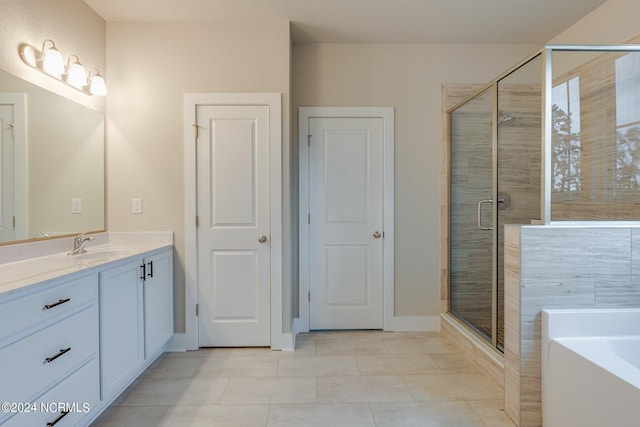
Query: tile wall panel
{"points": [[576, 254], [558, 267]]}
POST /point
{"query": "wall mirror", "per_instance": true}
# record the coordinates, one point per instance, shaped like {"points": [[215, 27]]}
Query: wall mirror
{"points": [[51, 164]]}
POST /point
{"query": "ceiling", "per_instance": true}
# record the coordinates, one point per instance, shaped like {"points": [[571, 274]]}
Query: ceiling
{"points": [[373, 21]]}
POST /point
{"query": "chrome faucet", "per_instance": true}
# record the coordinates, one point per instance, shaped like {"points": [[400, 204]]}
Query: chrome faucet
{"points": [[78, 244]]}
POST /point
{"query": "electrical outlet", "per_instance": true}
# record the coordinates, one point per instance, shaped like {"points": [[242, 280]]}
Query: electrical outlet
{"points": [[76, 206], [136, 207]]}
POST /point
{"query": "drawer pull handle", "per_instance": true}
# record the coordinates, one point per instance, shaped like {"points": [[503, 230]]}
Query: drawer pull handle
{"points": [[54, 422], [52, 358], [55, 304]]}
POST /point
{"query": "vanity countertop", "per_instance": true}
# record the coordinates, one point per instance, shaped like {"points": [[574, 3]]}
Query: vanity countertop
{"points": [[33, 263]]}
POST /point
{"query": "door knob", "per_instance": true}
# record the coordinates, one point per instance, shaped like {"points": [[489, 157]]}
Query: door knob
{"points": [[262, 238], [377, 235]]}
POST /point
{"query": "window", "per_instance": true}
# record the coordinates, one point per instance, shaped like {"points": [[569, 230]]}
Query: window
{"points": [[627, 69], [566, 137]]}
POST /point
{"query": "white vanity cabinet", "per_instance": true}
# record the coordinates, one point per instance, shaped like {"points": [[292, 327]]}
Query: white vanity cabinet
{"points": [[71, 343], [48, 345], [158, 301], [136, 318], [121, 326]]}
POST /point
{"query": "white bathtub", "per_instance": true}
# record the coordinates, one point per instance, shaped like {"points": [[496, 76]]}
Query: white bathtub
{"points": [[591, 368]]}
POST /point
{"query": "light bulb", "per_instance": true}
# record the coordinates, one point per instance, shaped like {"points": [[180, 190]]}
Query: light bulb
{"points": [[98, 86], [77, 75], [52, 62]]}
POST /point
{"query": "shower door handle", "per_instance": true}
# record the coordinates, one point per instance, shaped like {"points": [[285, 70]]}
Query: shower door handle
{"points": [[480, 203]]}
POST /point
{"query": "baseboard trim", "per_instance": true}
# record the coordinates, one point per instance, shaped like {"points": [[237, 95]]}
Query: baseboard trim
{"points": [[177, 343]]}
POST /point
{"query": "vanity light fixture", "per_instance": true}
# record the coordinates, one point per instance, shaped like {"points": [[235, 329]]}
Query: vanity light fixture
{"points": [[49, 61]]}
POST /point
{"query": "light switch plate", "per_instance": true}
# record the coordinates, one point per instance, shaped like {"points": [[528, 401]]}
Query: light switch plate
{"points": [[76, 206], [136, 206]]}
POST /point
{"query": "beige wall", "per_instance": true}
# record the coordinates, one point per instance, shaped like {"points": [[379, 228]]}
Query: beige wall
{"points": [[409, 78], [616, 21], [71, 24], [151, 67]]}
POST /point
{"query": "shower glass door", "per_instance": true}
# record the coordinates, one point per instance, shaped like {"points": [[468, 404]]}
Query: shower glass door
{"points": [[495, 179], [471, 260]]}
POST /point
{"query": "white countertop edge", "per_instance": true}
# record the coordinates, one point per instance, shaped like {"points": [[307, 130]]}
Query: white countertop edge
{"points": [[16, 269]]}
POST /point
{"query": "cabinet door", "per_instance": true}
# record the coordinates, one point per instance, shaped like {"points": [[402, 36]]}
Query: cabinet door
{"points": [[158, 301], [121, 326]]}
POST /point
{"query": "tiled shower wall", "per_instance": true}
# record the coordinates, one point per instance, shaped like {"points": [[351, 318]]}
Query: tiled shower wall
{"points": [[558, 267]]}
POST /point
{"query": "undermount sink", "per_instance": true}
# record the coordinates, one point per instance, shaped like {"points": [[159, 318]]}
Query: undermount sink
{"points": [[98, 256]]}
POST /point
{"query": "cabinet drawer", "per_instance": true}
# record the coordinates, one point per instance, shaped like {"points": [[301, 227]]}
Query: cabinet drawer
{"points": [[78, 393], [25, 369], [26, 312]]}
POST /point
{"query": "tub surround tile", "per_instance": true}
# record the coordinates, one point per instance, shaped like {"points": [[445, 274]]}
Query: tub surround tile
{"points": [[618, 295], [539, 295], [635, 255], [512, 385], [571, 254], [558, 267]]}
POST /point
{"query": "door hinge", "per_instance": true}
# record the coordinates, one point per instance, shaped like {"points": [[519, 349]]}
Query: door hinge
{"points": [[197, 309], [309, 296], [308, 140], [197, 221], [14, 222], [309, 219], [195, 130]]}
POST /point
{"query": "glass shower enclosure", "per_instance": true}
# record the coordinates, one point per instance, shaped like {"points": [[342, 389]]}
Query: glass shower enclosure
{"points": [[555, 139], [495, 166]]}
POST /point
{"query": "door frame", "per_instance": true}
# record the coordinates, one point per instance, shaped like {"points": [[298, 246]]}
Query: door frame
{"points": [[279, 340], [20, 151], [387, 114]]}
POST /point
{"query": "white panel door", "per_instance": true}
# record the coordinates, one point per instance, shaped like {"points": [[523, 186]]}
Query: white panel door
{"points": [[233, 232], [346, 205], [7, 187]]}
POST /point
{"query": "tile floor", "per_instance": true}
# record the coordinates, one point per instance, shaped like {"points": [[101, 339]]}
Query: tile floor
{"points": [[348, 379]]}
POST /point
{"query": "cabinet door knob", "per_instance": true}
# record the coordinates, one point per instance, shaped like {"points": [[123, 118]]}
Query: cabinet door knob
{"points": [[262, 238]]}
